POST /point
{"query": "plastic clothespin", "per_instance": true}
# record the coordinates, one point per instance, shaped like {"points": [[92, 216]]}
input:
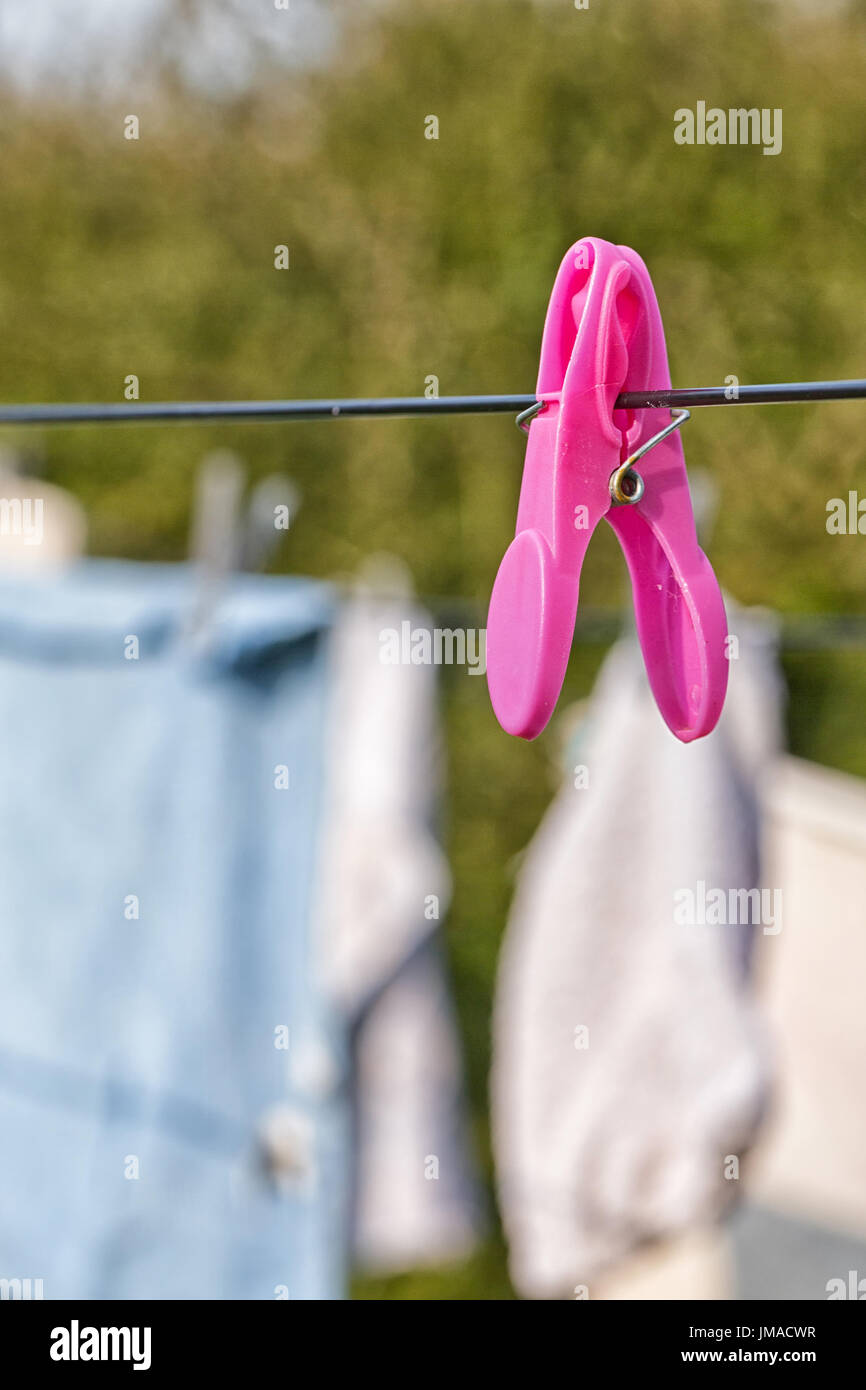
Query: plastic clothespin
{"points": [[603, 335]]}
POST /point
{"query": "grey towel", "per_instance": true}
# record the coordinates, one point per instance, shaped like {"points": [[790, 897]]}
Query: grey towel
{"points": [[629, 1068]]}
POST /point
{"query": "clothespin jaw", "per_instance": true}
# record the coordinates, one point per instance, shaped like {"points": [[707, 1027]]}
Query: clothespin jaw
{"points": [[603, 335]]}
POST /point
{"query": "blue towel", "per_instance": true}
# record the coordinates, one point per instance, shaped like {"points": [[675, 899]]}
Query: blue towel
{"points": [[154, 941]]}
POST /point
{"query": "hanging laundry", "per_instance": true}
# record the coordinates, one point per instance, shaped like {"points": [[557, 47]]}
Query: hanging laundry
{"points": [[377, 923], [630, 1070], [177, 1035]]}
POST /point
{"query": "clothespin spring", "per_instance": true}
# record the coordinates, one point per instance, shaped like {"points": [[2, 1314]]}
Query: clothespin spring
{"points": [[627, 486]]}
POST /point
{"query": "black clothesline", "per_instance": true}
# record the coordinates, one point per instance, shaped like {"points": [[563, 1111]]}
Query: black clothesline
{"points": [[686, 397]]}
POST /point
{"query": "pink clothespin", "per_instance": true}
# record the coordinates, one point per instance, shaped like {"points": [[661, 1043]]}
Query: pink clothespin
{"points": [[603, 335]]}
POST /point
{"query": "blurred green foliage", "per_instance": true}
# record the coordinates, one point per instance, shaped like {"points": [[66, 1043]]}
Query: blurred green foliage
{"points": [[413, 257]]}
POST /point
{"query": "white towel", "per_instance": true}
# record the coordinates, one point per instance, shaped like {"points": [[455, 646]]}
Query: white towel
{"points": [[629, 1066], [383, 888]]}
